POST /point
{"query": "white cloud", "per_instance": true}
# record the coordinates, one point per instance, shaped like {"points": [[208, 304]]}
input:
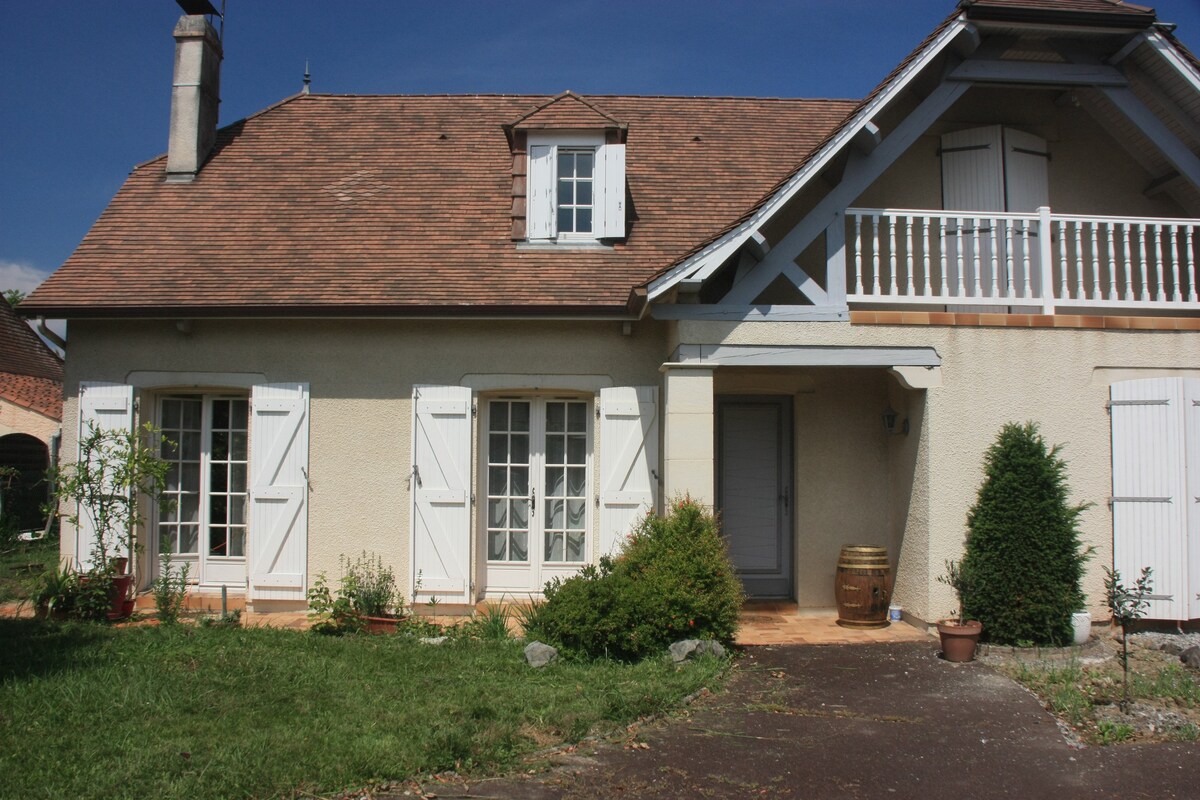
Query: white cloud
{"points": [[19, 275]]}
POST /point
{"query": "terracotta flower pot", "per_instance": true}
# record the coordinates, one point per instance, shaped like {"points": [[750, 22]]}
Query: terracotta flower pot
{"points": [[959, 640], [380, 624], [118, 597]]}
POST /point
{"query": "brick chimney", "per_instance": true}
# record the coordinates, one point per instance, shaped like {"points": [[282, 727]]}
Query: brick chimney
{"points": [[195, 97]]}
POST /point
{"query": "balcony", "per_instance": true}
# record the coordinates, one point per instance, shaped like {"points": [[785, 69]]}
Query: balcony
{"points": [[1038, 262]]}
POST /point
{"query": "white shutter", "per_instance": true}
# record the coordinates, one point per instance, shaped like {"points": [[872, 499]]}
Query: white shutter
{"points": [[539, 193], [628, 460], [610, 192], [278, 529], [1191, 425], [1150, 502], [441, 492], [973, 170], [109, 407], [1026, 171]]}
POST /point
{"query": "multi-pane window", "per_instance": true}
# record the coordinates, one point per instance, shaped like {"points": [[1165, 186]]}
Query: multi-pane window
{"points": [[537, 481], [179, 522], [575, 173], [227, 479], [206, 489], [508, 481], [566, 481]]}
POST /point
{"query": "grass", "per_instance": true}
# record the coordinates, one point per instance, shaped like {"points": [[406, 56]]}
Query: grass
{"points": [[186, 712], [1077, 693], [20, 565]]}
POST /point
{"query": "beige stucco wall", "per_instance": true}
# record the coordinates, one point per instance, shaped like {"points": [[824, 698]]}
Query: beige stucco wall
{"points": [[361, 375], [17, 419], [1057, 378]]}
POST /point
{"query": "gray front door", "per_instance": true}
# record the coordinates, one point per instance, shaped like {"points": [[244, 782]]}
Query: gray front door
{"points": [[754, 484]]}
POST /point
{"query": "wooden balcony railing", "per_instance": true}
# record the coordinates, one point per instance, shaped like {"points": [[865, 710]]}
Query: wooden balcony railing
{"points": [[1038, 261]]}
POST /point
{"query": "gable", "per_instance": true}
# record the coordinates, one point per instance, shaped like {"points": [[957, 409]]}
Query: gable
{"points": [[1129, 77]]}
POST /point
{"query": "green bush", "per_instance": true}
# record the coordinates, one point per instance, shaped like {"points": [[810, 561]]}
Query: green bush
{"points": [[672, 580], [1024, 559]]}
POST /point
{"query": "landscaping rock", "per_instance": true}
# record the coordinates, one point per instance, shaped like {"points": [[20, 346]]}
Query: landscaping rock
{"points": [[1191, 657], [539, 654], [690, 648], [432, 639]]}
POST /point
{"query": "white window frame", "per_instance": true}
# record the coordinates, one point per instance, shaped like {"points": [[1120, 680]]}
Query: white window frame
{"points": [[205, 568], [535, 571], [572, 141]]}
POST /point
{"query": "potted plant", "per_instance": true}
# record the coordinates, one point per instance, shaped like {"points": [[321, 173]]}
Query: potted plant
{"points": [[103, 488], [366, 599], [959, 636], [55, 593]]}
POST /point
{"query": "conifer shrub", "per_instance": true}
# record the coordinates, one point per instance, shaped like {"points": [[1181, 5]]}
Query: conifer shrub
{"points": [[672, 580], [1024, 559]]}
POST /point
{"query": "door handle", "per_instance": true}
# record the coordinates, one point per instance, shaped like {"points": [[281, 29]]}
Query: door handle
{"points": [[532, 502]]}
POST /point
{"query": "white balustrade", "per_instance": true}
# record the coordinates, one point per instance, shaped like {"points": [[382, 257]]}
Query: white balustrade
{"points": [[995, 260]]}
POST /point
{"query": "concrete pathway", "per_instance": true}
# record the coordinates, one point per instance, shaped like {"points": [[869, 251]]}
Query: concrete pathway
{"points": [[884, 720]]}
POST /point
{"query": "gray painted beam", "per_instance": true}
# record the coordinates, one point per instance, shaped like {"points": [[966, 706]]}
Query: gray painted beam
{"points": [[984, 71], [861, 172], [747, 355], [1175, 151], [726, 312]]}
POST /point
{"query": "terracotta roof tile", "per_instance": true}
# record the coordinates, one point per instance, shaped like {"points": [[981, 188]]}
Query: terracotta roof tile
{"points": [[22, 352], [370, 204], [565, 111], [37, 394], [1001, 8]]}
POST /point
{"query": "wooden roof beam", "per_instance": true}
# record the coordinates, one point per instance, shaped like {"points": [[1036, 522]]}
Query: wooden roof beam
{"points": [[1037, 72]]}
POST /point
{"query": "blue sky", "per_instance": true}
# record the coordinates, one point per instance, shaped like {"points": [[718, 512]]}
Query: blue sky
{"points": [[85, 86]]}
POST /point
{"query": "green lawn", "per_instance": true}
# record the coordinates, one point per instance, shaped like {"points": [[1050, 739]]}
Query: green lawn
{"points": [[20, 565], [163, 712]]}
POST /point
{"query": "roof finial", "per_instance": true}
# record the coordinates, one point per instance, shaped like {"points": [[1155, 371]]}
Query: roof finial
{"points": [[307, 79]]}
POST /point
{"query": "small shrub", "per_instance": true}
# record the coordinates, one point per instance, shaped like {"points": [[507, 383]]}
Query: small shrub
{"points": [[169, 590], [672, 580], [1024, 558], [1128, 604], [366, 589], [1108, 732]]}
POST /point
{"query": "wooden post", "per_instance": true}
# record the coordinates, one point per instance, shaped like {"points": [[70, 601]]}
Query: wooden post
{"points": [[835, 260], [1046, 265]]}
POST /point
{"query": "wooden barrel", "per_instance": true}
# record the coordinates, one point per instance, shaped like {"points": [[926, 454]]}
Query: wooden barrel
{"points": [[863, 586]]}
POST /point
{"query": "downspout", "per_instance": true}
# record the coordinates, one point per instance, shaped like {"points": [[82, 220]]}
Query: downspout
{"points": [[50, 335]]}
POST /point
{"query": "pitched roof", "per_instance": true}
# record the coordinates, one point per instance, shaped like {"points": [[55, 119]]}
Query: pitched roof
{"points": [[23, 352], [30, 373], [565, 111], [393, 205], [42, 395], [1096, 12]]}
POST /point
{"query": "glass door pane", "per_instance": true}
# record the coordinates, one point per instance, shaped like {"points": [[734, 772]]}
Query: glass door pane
{"points": [[565, 522], [179, 520], [227, 479], [508, 490]]}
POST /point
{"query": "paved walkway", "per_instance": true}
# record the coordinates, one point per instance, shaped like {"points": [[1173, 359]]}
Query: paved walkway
{"points": [[885, 720], [782, 623]]}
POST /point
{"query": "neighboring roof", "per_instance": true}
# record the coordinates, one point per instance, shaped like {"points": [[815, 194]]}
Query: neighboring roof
{"points": [[30, 373], [36, 394], [566, 111], [330, 204], [23, 352]]}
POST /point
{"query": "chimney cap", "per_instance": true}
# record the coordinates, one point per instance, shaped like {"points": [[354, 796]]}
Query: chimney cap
{"points": [[197, 7]]}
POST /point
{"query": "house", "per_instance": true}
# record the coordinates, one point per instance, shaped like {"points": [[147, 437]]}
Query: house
{"points": [[31, 401], [481, 335]]}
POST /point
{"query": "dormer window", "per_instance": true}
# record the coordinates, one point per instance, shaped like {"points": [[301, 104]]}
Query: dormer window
{"points": [[575, 175], [576, 188]]}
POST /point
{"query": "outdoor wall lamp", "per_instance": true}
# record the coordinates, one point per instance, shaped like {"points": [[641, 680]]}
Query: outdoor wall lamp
{"points": [[889, 423]]}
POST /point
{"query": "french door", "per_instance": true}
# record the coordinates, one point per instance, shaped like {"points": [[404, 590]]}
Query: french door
{"points": [[536, 483], [204, 522]]}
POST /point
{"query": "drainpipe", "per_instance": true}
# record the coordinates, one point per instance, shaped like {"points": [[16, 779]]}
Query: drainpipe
{"points": [[53, 337]]}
